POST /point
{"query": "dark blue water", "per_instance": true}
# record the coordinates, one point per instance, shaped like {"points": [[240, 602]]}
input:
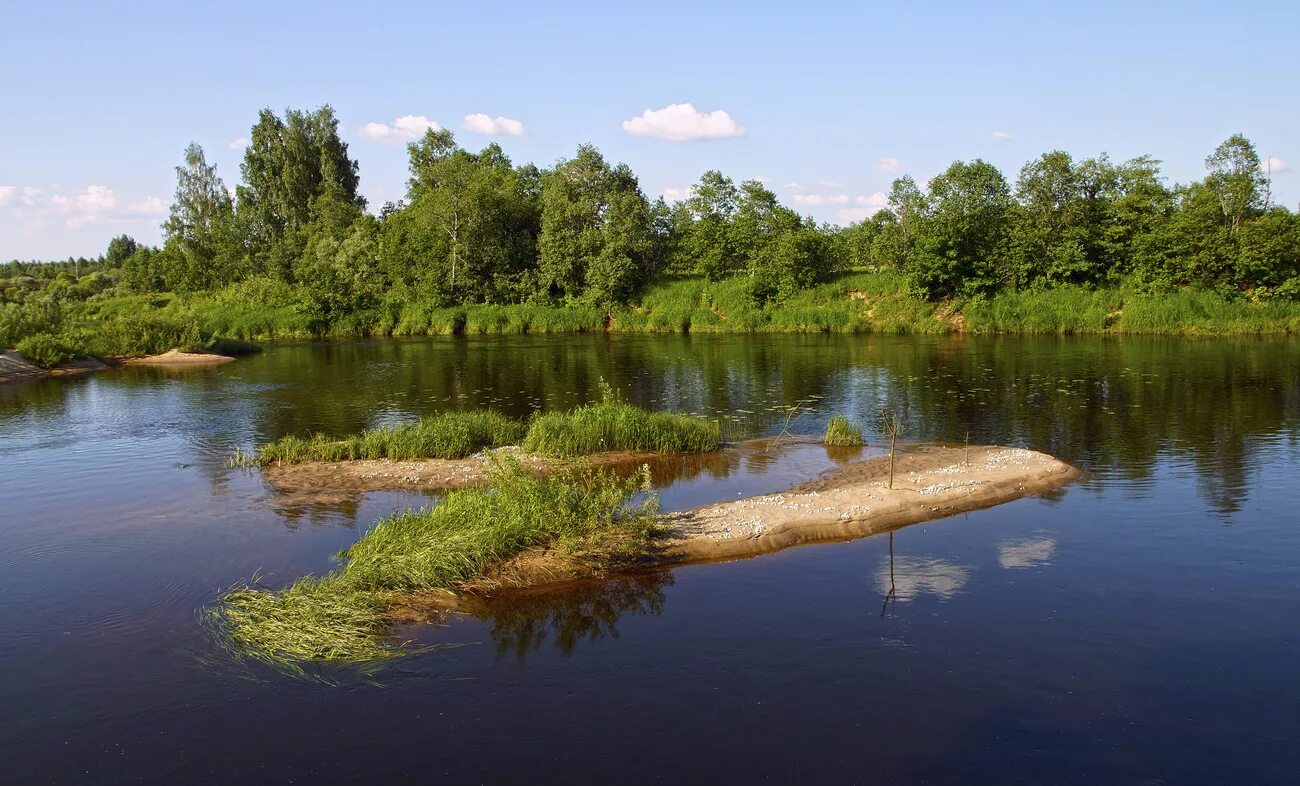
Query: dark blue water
{"points": [[1140, 626]]}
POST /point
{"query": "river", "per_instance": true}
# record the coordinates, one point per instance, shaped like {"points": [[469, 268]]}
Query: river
{"points": [[1139, 626]]}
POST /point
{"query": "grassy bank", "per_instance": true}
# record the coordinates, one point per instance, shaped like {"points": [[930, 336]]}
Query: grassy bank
{"points": [[345, 616], [856, 302]]}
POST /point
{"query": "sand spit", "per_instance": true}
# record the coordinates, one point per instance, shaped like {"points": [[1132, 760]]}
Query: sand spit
{"points": [[15, 368], [849, 502], [176, 357], [853, 501]]}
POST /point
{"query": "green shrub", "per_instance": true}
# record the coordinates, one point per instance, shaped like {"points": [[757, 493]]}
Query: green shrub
{"points": [[47, 350]]}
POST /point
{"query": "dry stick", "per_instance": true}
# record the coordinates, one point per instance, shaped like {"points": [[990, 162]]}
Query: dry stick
{"points": [[890, 424], [893, 437]]}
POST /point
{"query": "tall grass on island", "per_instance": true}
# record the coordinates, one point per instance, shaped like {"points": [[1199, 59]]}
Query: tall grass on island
{"points": [[841, 433], [344, 617], [612, 424], [449, 435], [608, 425]]}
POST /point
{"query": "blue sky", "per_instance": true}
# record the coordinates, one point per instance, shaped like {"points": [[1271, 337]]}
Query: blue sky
{"points": [[97, 101]]}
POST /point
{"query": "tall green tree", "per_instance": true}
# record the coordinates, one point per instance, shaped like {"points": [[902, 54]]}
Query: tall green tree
{"points": [[963, 239], [200, 236], [469, 231], [296, 171], [1237, 180], [596, 230]]}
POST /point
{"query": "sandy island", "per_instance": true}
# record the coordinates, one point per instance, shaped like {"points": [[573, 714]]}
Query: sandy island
{"points": [[847, 502]]}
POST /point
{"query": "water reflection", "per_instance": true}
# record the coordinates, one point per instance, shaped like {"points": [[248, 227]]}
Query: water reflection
{"points": [[1027, 552], [1115, 406], [522, 622], [907, 578]]}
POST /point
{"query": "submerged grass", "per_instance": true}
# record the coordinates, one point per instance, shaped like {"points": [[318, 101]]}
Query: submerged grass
{"points": [[344, 617], [449, 435], [842, 433]]}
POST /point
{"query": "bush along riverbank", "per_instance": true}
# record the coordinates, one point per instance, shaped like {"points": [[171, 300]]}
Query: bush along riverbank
{"points": [[855, 302]]}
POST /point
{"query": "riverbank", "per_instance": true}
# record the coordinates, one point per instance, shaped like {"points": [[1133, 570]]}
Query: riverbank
{"points": [[852, 302]]}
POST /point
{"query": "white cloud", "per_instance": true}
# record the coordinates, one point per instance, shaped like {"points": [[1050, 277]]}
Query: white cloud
{"points": [[403, 129], [794, 185], [889, 164], [480, 123], [1273, 165], [876, 201], [820, 200], [238, 144], [31, 195], [1000, 136], [7, 194], [93, 200], [676, 194], [683, 122], [149, 206], [852, 215], [830, 184], [867, 206]]}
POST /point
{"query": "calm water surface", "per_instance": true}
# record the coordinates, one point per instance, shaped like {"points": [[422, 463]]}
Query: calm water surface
{"points": [[1141, 626]]}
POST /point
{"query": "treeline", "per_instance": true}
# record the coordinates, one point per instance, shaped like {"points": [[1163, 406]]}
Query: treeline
{"points": [[294, 236]]}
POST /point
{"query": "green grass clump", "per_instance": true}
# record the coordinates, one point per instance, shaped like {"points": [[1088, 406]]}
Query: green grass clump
{"points": [[344, 617], [314, 619], [474, 529], [448, 435], [841, 433], [615, 425]]}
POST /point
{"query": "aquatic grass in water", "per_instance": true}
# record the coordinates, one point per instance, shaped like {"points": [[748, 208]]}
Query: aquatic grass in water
{"points": [[344, 617], [313, 619], [449, 435], [841, 433]]}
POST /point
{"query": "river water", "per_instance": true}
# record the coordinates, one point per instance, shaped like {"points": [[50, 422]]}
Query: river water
{"points": [[1139, 626]]}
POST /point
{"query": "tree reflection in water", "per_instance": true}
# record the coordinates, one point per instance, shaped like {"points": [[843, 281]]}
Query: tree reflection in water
{"points": [[520, 622]]}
